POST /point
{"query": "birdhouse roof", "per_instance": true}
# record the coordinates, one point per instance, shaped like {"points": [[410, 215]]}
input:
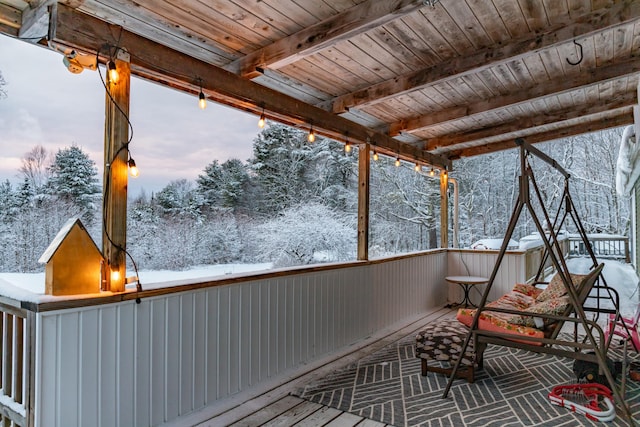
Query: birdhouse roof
{"points": [[60, 237]]}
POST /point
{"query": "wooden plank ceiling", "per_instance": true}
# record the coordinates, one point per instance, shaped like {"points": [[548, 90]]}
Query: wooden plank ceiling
{"points": [[428, 80]]}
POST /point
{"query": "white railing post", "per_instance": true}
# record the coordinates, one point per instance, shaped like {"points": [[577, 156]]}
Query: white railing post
{"points": [[15, 375]]}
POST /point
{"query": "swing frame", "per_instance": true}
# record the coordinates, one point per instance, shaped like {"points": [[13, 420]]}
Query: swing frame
{"points": [[572, 349]]}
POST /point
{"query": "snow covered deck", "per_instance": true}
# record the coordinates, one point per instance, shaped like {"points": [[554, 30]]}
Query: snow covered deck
{"points": [[193, 347]]}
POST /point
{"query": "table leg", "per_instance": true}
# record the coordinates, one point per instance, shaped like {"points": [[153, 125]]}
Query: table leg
{"points": [[466, 301]]}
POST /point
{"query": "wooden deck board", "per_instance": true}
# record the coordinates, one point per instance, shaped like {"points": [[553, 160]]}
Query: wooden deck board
{"points": [[295, 414], [269, 413], [345, 419], [319, 418]]}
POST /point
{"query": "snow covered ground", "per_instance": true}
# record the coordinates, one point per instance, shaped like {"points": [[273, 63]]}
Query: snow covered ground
{"points": [[30, 287], [618, 275]]}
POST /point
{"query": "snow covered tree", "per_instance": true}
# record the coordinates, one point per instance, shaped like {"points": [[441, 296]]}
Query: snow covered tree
{"points": [[35, 167], [8, 201], [334, 175], [305, 234], [488, 189], [404, 209], [289, 170], [8, 212], [223, 186], [280, 158], [179, 197], [74, 178], [3, 83]]}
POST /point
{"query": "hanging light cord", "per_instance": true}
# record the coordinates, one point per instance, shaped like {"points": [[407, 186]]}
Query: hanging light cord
{"points": [[125, 146]]}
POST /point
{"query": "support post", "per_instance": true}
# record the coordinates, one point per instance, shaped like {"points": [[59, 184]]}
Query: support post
{"points": [[116, 137], [444, 209], [364, 172]]}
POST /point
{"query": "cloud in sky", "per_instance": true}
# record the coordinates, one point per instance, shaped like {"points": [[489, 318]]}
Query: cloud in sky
{"points": [[172, 137]]}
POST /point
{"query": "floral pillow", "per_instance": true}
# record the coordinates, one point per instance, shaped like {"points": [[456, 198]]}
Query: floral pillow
{"points": [[556, 287], [553, 306], [528, 290]]}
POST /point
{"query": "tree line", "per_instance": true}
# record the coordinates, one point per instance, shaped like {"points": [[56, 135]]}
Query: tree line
{"points": [[295, 203]]}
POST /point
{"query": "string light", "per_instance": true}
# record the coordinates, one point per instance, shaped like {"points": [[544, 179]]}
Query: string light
{"points": [[397, 161], [262, 120], [416, 167], [312, 136], [375, 156], [115, 275], [347, 146], [133, 169], [432, 172], [112, 71], [202, 101]]}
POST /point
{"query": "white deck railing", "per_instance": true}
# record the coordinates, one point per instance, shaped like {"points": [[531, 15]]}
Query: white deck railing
{"points": [[101, 362], [15, 353], [110, 361], [603, 246]]}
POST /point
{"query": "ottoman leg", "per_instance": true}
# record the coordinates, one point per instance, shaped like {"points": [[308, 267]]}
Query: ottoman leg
{"points": [[424, 367]]}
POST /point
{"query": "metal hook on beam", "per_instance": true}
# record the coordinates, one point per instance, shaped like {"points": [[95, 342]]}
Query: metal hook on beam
{"points": [[581, 55]]}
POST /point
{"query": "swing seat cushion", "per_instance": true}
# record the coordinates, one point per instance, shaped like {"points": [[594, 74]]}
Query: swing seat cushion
{"points": [[523, 298]]}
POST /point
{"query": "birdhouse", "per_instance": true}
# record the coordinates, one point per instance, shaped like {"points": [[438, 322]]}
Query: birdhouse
{"points": [[73, 262]]}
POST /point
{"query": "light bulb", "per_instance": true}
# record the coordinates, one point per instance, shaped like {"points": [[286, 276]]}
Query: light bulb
{"points": [[431, 172], [113, 72], [261, 122], [347, 147], [133, 169], [375, 156], [115, 275], [202, 101], [397, 161], [416, 168], [312, 136]]}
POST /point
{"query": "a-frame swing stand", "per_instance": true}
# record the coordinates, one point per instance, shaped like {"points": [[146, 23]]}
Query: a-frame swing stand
{"points": [[554, 253]]}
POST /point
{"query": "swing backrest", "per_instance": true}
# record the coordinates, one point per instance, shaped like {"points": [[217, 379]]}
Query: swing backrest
{"points": [[583, 289]]}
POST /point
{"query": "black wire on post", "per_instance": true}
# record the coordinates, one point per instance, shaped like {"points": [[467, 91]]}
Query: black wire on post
{"points": [[125, 146]]}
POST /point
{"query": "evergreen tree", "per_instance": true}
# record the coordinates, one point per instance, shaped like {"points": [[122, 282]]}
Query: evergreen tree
{"points": [[289, 170], [74, 178], [179, 198], [8, 200], [280, 158], [224, 186]]}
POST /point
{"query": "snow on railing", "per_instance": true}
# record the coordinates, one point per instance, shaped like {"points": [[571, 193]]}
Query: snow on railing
{"points": [[14, 368], [608, 246]]}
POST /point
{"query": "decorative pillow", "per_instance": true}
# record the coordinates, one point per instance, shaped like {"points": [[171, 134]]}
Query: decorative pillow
{"points": [[553, 306], [556, 287], [513, 301], [528, 290]]}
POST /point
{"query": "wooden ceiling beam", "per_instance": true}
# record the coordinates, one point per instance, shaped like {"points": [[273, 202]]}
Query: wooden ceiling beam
{"points": [[596, 76], [625, 118], [617, 14], [448, 142], [170, 67], [10, 18], [353, 21]]}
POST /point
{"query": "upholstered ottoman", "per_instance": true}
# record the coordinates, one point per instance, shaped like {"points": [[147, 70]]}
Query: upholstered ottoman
{"points": [[441, 343]]}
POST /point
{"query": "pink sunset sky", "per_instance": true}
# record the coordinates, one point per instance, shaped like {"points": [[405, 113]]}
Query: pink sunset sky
{"points": [[50, 106]]}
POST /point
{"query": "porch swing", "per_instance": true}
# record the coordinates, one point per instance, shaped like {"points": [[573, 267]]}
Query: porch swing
{"points": [[578, 289]]}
